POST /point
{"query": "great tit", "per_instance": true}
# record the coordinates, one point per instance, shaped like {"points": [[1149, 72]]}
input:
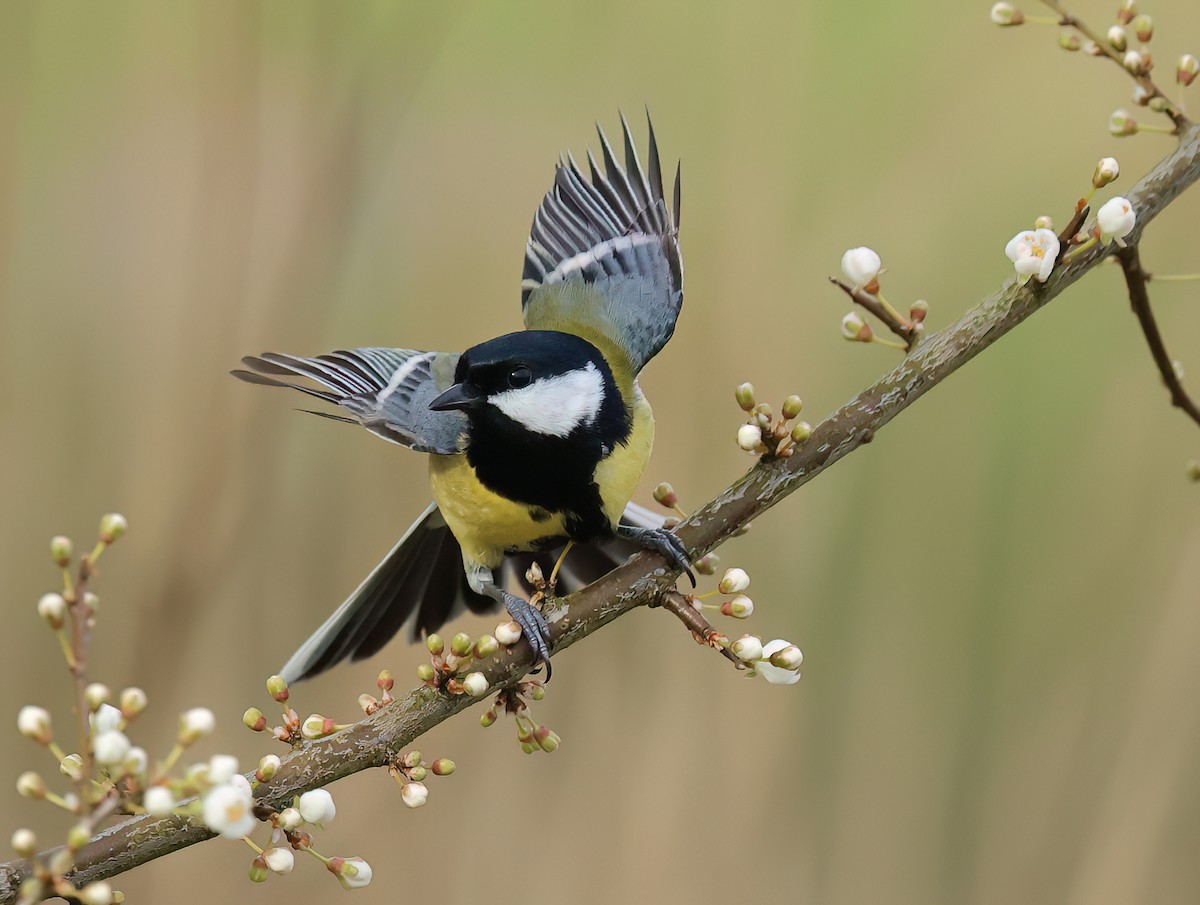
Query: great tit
{"points": [[536, 439]]}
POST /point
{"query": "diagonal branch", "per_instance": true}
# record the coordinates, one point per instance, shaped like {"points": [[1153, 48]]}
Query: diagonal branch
{"points": [[1139, 299], [378, 739]]}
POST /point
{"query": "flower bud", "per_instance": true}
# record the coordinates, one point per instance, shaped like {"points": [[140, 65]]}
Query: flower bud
{"points": [[290, 819], [744, 394], [487, 718], [475, 684], [665, 495], [34, 722], [98, 893], [53, 609], [740, 607], [426, 673], [919, 310], [112, 526], [277, 688], [195, 724], [258, 870], [1187, 69], [385, 681], [537, 691], [414, 794], [268, 766], [801, 431], [443, 766], [1143, 27], [461, 644], [368, 703], [435, 644], [96, 694], [1068, 40], [30, 785], [133, 701], [855, 329], [78, 836], [787, 658], [317, 726], [1158, 104], [71, 767], [734, 581], [1126, 11], [749, 437], [707, 564], [60, 550], [1117, 39], [1107, 170], [111, 748], [158, 801], [279, 860], [24, 843], [1005, 14], [1121, 124], [1134, 62], [747, 648], [1116, 219], [547, 739], [253, 719], [317, 806], [861, 265], [791, 407], [485, 646], [352, 873], [508, 633]]}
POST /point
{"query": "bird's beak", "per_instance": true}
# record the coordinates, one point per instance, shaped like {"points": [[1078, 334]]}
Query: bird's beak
{"points": [[455, 398]]}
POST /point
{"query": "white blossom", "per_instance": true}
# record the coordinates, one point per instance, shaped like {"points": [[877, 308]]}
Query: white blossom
{"points": [[290, 819], [136, 761], [354, 873], [747, 648], [1033, 253], [772, 673], [196, 723], [734, 581], [105, 719], [1116, 220], [221, 768], [414, 794], [228, 810], [749, 437], [317, 806], [475, 684], [861, 266], [111, 748], [159, 801], [52, 608], [279, 860], [34, 722]]}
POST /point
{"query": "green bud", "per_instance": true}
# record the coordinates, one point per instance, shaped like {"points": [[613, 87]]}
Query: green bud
{"points": [[133, 702], [60, 550], [426, 673], [435, 644], [664, 495], [258, 870], [277, 688], [385, 682], [461, 644], [548, 741], [486, 646], [487, 718], [744, 395], [1143, 27], [253, 719], [1158, 104], [112, 526], [418, 774], [1187, 69], [24, 843], [537, 692], [78, 836], [792, 406], [268, 766], [1068, 40], [71, 767], [412, 759], [528, 747], [443, 766], [1126, 11], [801, 431]]}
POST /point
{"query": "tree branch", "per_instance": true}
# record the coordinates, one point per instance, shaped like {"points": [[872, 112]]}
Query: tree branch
{"points": [[379, 739], [1139, 299]]}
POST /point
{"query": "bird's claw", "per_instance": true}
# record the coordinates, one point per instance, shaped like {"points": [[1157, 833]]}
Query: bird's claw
{"points": [[533, 626], [665, 543]]}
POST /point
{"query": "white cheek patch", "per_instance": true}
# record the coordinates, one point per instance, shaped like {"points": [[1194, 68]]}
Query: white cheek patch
{"points": [[555, 405]]}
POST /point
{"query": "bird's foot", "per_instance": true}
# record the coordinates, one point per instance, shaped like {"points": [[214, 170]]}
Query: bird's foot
{"points": [[664, 543], [533, 626]]}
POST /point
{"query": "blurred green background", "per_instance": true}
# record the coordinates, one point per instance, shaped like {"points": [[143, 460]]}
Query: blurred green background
{"points": [[997, 600]]}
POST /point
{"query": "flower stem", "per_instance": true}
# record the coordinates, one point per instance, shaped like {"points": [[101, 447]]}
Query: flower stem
{"points": [[1174, 277]]}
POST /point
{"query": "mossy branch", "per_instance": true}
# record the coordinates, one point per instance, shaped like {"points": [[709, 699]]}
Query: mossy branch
{"points": [[380, 738]]}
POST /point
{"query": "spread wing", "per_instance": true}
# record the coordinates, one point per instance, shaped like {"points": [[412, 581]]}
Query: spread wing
{"points": [[387, 391], [603, 259]]}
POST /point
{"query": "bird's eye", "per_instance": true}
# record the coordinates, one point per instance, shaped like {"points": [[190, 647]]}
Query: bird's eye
{"points": [[519, 376]]}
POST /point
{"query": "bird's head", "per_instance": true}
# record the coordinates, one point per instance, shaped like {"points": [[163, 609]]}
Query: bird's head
{"points": [[539, 381]]}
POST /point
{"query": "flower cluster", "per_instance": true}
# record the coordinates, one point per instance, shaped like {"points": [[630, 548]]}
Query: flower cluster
{"points": [[862, 267], [776, 661], [531, 735], [765, 435]]}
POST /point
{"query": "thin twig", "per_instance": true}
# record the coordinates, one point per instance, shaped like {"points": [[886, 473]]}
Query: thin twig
{"points": [[1139, 299], [1068, 20], [908, 333], [701, 628], [377, 740]]}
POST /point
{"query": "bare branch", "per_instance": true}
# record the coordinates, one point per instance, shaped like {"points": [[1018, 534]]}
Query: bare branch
{"points": [[378, 739], [1139, 299]]}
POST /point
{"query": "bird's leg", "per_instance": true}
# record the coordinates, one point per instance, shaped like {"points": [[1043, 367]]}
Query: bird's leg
{"points": [[662, 542], [533, 624]]}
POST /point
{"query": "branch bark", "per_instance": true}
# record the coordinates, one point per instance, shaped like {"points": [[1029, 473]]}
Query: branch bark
{"points": [[380, 738]]}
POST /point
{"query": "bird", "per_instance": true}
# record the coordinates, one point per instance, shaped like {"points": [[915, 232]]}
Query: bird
{"points": [[536, 439]]}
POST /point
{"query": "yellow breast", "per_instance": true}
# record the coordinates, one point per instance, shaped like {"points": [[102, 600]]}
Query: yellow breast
{"points": [[486, 524]]}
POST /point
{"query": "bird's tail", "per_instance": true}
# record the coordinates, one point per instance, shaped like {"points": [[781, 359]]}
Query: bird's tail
{"points": [[421, 581]]}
